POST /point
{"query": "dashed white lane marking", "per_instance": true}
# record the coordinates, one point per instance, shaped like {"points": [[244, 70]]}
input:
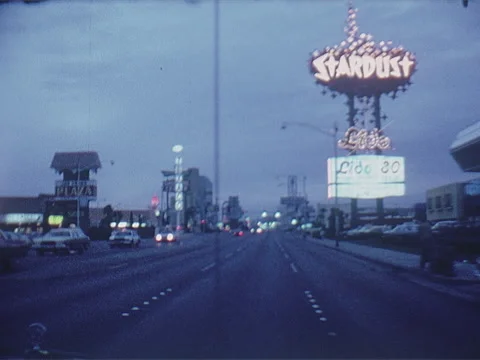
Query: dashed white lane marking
{"points": [[228, 256], [294, 268], [315, 306], [146, 303], [286, 256], [208, 267], [125, 314], [313, 300], [239, 249], [318, 311], [135, 308], [169, 290], [309, 296], [323, 319], [154, 298], [162, 293], [307, 292], [114, 267], [331, 333]]}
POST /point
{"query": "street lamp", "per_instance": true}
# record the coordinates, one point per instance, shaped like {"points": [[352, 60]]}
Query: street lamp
{"points": [[333, 134]]}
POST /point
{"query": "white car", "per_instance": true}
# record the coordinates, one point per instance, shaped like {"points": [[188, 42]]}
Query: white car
{"points": [[124, 238], [62, 240]]}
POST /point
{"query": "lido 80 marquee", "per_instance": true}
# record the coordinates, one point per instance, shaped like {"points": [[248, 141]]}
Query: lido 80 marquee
{"points": [[364, 70]]}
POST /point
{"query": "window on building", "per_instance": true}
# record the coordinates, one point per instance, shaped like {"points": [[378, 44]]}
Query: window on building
{"points": [[430, 204], [447, 201], [438, 202]]}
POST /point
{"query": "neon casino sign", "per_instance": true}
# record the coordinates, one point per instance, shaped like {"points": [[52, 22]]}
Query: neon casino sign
{"points": [[362, 139], [360, 66], [328, 67]]}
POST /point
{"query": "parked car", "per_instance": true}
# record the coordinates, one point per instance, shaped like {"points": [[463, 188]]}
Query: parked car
{"points": [[124, 237], [405, 231], [12, 247], [166, 234], [62, 241]]}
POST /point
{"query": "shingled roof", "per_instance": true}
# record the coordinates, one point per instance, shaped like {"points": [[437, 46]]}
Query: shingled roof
{"points": [[72, 160]]}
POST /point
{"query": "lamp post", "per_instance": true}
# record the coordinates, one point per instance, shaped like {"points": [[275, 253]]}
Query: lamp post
{"points": [[333, 134]]}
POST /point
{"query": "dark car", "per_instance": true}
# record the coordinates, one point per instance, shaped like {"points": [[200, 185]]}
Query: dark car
{"points": [[238, 232]]}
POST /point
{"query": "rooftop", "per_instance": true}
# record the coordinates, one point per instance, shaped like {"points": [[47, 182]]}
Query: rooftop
{"points": [[85, 160]]}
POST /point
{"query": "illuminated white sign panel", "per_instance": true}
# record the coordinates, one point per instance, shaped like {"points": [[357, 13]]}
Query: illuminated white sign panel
{"points": [[362, 67], [367, 176], [362, 139], [21, 218], [367, 191]]}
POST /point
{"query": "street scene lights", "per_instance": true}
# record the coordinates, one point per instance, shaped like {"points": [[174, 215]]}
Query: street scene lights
{"points": [[333, 134], [177, 149], [264, 214]]}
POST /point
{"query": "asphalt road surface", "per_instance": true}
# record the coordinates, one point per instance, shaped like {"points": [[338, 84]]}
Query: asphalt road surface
{"points": [[272, 295]]}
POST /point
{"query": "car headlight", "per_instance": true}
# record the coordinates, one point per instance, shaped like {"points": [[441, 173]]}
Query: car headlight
{"points": [[170, 237], [158, 237]]}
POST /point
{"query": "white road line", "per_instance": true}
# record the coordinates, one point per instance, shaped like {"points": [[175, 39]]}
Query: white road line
{"points": [[323, 319], [125, 314], [307, 291], [309, 296], [313, 300], [208, 267], [162, 293], [239, 249], [319, 311], [315, 306], [146, 303], [294, 269], [118, 266], [154, 298], [331, 333], [169, 290], [135, 308]]}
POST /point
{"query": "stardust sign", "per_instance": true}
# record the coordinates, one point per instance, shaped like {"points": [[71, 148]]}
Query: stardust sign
{"points": [[328, 67]]}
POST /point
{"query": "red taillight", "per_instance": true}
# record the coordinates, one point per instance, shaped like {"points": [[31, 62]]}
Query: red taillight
{"points": [[241, 233]]}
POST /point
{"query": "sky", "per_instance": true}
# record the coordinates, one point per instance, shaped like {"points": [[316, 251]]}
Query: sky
{"points": [[130, 79]]}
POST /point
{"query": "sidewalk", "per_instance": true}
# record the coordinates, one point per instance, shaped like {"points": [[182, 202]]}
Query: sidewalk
{"points": [[465, 273]]}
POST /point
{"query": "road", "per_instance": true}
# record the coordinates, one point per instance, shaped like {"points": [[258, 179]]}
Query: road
{"points": [[272, 295]]}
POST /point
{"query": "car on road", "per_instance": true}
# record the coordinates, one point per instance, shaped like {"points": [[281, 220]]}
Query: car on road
{"points": [[166, 234], [124, 237], [62, 241], [237, 232], [12, 247]]}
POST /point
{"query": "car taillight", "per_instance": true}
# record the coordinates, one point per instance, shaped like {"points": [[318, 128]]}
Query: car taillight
{"points": [[241, 233]]}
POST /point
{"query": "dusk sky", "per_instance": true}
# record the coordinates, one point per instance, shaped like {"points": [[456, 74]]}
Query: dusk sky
{"points": [[130, 79]]}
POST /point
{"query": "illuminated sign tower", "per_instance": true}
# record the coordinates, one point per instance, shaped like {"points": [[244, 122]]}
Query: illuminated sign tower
{"points": [[363, 70]]}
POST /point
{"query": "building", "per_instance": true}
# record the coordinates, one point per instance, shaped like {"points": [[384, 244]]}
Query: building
{"points": [[74, 192], [26, 213], [456, 201], [197, 197], [465, 149]]}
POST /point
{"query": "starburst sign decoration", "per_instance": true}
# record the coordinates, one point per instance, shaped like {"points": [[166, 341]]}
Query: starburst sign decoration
{"points": [[362, 67]]}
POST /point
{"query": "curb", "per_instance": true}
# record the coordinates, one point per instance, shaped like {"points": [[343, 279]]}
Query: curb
{"points": [[423, 273]]}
